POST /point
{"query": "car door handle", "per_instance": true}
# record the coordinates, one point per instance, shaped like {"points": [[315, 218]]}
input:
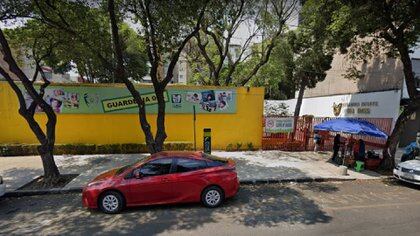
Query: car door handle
{"points": [[165, 180]]}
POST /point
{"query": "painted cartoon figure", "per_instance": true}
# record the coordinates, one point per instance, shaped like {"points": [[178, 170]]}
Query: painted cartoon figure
{"points": [[56, 104]]}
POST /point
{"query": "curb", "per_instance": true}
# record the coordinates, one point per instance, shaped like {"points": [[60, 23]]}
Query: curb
{"points": [[24, 193], [292, 180]]}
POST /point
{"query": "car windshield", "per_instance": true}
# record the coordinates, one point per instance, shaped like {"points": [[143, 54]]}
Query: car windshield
{"points": [[122, 169], [215, 158], [142, 160]]}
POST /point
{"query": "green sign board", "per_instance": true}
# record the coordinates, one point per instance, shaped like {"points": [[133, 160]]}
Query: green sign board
{"points": [[279, 124], [128, 102], [97, 100]]}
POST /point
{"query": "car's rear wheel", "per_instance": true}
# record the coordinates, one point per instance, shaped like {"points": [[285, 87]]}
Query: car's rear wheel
{"points": [[111, 202], [212, 196]]}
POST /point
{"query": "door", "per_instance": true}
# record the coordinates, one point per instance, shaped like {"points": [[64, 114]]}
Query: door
{"points": [[155, 185], [190, 179]]}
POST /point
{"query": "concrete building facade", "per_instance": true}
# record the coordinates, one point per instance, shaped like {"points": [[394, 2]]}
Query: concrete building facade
{"points": [[379, 91]]}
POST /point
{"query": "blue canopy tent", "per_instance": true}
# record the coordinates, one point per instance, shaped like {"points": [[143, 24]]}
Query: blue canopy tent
{"points": [[351, 126]]}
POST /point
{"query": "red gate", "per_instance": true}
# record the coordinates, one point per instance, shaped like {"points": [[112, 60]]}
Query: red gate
{"points": [[302, 137]]}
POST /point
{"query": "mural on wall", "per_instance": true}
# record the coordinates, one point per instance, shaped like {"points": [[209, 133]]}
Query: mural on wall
{"points": [[96, 100]]}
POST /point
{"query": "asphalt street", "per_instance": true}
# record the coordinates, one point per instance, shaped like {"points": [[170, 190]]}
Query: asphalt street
{"points": [[368, 207]]}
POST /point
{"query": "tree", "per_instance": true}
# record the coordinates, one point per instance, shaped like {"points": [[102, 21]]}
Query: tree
{"points": [[265, 19], [394, 25], [9, 69], [167, 27], [311, 61], [276, 75], [70, 53]]}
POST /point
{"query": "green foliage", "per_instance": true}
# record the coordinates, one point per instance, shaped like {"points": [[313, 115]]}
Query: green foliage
{"points": [[134, 52], [298, 56], [229, 147], [12, 9], [220, 57], [250, 146], [238, 146], [172, 21], [364, 29], [62, 51], [276, 76]]}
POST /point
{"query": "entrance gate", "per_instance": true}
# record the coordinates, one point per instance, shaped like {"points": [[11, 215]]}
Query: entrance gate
{"points": [[301, 137]]}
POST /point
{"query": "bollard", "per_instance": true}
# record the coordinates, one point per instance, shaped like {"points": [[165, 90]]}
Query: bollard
{"points": [[342, 170], [207, 140]]}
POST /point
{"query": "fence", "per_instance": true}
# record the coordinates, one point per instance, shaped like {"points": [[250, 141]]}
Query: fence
{"points": [[301, 138]]}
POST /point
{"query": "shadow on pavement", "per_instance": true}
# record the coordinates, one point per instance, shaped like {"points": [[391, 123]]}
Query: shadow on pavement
{"points": [[319, 187], [262, 205], [17, 177], [247, 170], [396, 182]]}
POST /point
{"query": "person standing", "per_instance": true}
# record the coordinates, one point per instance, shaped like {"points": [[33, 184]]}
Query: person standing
{"points": [[317, 141], [350, 145], [356, 149], [336, 146], [362, 150]]}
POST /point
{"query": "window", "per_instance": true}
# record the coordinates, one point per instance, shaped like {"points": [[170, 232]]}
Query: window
{"points": [[185, 165], [156, 167], [214, 163], [417, 81]]}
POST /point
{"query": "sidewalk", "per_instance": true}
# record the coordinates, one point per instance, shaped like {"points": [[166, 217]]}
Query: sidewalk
{"points": [[251, 167]]}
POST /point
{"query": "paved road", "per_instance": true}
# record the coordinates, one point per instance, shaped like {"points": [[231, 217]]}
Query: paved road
{"points": [[346, 208]]}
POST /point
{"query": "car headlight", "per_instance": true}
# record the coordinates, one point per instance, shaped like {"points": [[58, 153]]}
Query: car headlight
{"points": [[397, 167]]}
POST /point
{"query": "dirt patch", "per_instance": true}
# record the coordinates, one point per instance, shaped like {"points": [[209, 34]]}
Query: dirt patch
{"points": [[41, 184]]}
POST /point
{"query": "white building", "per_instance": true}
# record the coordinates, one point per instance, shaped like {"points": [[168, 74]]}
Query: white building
{"points": [[380, 93]]}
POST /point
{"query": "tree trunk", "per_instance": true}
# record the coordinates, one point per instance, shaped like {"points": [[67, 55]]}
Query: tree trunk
{"points": [[145, 126], [51, 172], [299, 100], [119, 71], [408, 70], [391, 144], [413, 104], [160, 120], [46, 139], [121, 77]]}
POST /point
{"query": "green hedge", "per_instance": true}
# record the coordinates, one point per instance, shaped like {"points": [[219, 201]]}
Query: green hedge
{"points": [[60, 149]]}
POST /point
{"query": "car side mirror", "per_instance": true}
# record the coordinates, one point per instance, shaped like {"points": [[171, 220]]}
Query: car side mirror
{"points": [[137, 174]]}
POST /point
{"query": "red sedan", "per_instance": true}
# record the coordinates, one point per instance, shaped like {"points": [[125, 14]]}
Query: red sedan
{"points": [[164, 178]]}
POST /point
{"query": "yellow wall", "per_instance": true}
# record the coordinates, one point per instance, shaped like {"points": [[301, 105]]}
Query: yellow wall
{"points": [[243, 127]]}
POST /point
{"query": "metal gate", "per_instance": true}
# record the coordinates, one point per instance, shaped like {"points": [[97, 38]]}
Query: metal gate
{"points": [[301, 138]]}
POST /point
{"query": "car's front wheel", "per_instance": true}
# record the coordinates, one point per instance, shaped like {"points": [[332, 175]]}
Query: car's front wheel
{"points": [[212, 196], [111, 202]]}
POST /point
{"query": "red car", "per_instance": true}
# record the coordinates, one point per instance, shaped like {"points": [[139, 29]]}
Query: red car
{"points": [[164, 178]]}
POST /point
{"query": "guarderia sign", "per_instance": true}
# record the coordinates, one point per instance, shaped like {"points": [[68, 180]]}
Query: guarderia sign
{"points": [[129, 102]]}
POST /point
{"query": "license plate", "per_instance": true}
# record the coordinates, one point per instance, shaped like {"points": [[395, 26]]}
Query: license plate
{"points": [[408, 176]]}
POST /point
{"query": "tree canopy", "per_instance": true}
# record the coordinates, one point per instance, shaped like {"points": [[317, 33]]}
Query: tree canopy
{"points": [[222, 52], [358, 27], [70, 52]]}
